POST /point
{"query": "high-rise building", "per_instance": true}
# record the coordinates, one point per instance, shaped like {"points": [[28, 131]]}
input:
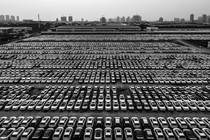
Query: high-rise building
{"points": [[118, 19], [136, 18], [192, 18], [7, 17], [176, 20], [123, 19], [208, 19], [204, 18], [160, 19], [17, 18], [103, 19], [128, 19], [2, 18], [63, 18], [114, 19], [12, 18], [70, 18], [182, 20], [200, 19]]}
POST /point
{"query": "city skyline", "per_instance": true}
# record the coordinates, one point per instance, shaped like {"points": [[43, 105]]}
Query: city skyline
{"points": [[150, 10]]}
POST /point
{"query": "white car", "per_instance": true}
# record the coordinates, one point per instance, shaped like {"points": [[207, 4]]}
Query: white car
{"points": [[25, 104], [168, 105], [44, 122], [118, 133], [17, 133], [16, 105], [176, 105], [172, 122], [72, 121], [90, 122], [163, 122], [179, 134], [40, 105], [108, 122], [190, 122], [63, 121], [160, 105], [7, 133], [135, 122], [153, 105], [115, 105], [114, 89], [70, 105], [200, 123], [207, 132], [108, 97], [32, 104], [108, 106], [169, 134], [58, 133], [200, 134], [123, 106], [181, 122], [55, 105], [206, 120], [200, 105], [159, 134], [47, 105], [108, 133], [27, 133], [54, 121], [77, 105], [16, 123], [26, 121], [81, 122], [207, 105], [88, 134], [128, 133], [93, 105], [154, 122], [192, 106]]}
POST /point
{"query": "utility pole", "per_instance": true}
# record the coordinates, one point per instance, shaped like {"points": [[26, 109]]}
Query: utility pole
{"points": [[38, 21]]}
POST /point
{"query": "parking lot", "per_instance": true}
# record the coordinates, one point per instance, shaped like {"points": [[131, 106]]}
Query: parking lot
{"points": [[105, 87]]}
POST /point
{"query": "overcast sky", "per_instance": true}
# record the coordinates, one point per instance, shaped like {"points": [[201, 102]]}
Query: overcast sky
{"points": [[94, 9]]}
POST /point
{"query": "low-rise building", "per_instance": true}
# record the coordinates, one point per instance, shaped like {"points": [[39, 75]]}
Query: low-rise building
{"points": [[6, 30]]}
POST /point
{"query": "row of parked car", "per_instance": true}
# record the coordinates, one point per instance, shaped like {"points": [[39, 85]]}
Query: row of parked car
{"points": [[122, 37], [108, 65], [100, 63], [81, 105], [104, 128], [89, 45], [138, 48], [99, 98], [123, 56], [141, 57], [179, 93], [112, 65], [105, 76], [96, 52], [17, 90], [136, 57]]}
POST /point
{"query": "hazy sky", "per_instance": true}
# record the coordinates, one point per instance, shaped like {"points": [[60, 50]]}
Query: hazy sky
{"points": [[94, 9]]}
